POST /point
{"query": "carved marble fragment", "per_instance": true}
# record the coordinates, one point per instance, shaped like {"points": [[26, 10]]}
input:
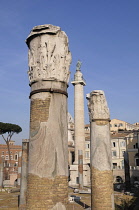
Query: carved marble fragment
{"points": [[49, 56]]}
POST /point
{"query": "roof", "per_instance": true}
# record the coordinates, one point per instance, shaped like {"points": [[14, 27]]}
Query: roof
{"points": [[118, 135]]}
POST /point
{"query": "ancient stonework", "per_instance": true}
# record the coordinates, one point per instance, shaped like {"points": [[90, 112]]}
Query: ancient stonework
{"points": [[97, 106], [100, 160], [49, 56], [39, 113], [46, 193], [102, 182], [24, 173], [49, 60], [79, 134]]}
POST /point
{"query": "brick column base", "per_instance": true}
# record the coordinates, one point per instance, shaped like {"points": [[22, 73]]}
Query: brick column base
{"points": [[102, 190], [45, 193]]}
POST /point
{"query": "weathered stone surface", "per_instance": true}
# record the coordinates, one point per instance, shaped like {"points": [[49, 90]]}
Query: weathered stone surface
{"points": [[49, 60], [19, 168], [102, 191], [79, 134], [48, 148], [100, 132], [100, 160], [24, 169], [59, 206], [44, 193], [80, 168], [49, 56], [97, 106], [1, 172], [79, 114]]}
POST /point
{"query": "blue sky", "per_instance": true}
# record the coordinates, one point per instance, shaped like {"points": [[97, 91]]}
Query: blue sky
{"points": [[103, 34]]}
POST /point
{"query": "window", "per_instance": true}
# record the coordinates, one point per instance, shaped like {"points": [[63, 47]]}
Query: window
{"points": [[135, 146], [87, 146], [137, 162], [87, 155], [114, 154], [2, 152], [16, 164], [122, 164], [11, 157], [2, 156], [77, 180], [7, 157], [16, 157], [120, 124], [122, 144], [123, 153], [114, 165], [115, 125], [113, 144]]}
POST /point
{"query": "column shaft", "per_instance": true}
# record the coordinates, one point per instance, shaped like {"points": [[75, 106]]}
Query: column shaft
{"points": [[24, 169], [79, 121], [49, 60], [1, 172], [100, 161], [19, 169], [80, 168]]}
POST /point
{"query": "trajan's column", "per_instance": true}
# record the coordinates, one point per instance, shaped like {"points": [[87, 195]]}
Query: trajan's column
{"points": [[79, 136], [79, 84], [49, 61], [100, 161]]}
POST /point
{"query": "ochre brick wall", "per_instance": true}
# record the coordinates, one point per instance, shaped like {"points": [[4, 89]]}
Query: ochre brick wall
{"points": [[102, 189], [39, 113], [44, 193]]}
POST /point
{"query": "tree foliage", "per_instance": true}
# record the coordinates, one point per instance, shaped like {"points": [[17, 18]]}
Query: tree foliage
{"points": [[9, 129]]}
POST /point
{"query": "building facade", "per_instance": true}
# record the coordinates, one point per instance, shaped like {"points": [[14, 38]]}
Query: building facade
{"points": [[10, 164], [124, 137]]}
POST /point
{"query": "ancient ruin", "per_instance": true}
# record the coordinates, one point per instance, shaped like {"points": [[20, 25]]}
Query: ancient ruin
{"points": [[100, 161], [49, 61], [1, 173], [79, 84], [24, 173]]}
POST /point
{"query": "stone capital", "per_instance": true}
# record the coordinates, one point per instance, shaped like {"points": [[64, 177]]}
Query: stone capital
{"points": [[97, 107], [49, 55]]}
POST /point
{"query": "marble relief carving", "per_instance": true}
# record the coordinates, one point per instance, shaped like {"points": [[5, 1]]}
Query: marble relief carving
{"points": [[49, 57], [97, 106]]}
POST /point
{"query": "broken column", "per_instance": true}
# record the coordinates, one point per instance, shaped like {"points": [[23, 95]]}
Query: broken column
{"points": [[1, 172], [49, 61], [100, 160], [19, 169], [24, 173]]}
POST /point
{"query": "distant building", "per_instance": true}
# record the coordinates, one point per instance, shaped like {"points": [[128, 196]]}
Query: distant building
{"points": [[124, 137], [10, 167], [118, 143], [116, 125]]}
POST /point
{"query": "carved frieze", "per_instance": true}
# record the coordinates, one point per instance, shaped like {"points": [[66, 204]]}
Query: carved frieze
{"points": [[49, 55], [98, 108]]}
